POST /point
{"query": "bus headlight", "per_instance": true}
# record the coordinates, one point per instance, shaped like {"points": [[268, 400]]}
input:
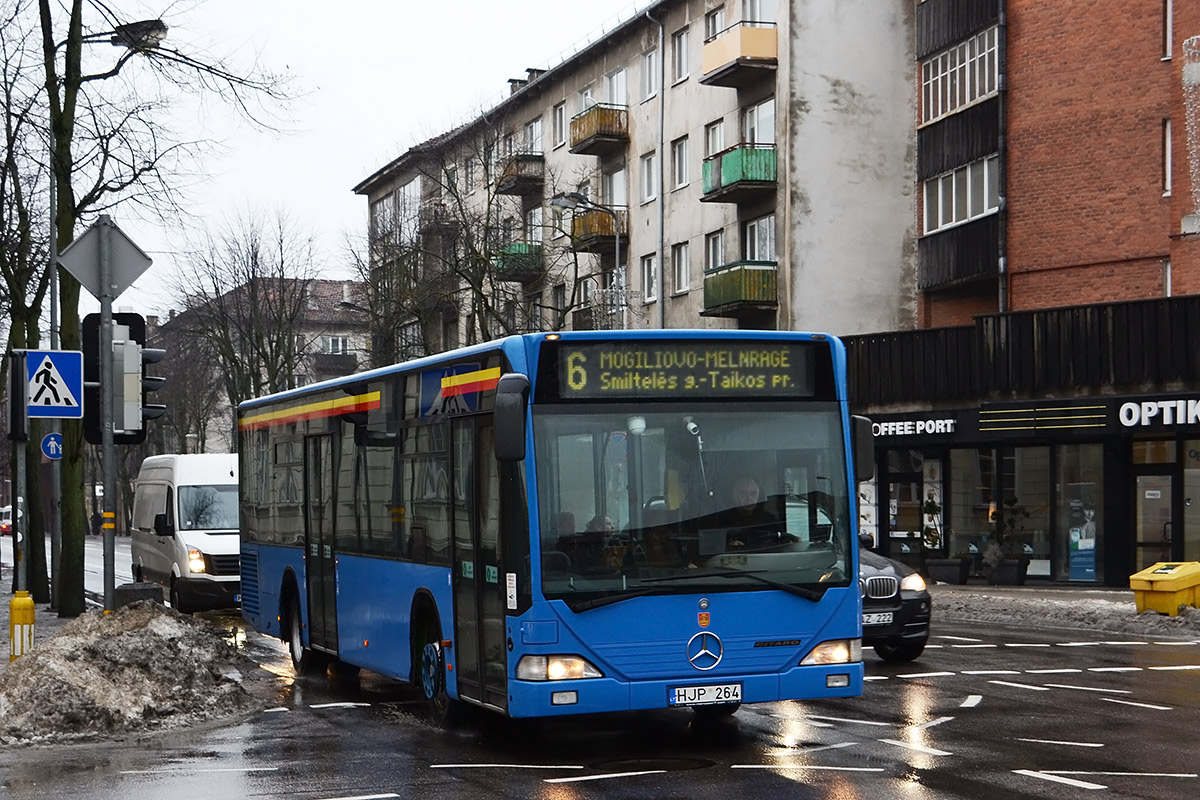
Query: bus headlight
{"points": [[835, 651], [195, 561], [912, 583], [555, 668]]}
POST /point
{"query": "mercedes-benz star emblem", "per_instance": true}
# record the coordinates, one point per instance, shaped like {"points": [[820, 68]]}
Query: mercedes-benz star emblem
{"points": [[704, 650]]}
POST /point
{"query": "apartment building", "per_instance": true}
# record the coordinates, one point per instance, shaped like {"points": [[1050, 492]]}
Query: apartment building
{"points": [[1051, 389], [704, 164]]}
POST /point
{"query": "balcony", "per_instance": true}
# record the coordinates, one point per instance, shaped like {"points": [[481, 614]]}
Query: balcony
{"points": [[740, 289], [600, 130], [741, 54], [522, 174], [332, 365], [436, 218], [519, 262], [739, 173], [597, 232]]}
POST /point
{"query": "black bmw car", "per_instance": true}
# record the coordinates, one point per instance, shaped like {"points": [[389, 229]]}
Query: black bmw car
{"points": [[896, 607]]}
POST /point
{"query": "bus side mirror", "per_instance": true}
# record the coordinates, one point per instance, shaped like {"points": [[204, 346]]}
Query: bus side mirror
{"points": [[512, 398], [862, 439]]}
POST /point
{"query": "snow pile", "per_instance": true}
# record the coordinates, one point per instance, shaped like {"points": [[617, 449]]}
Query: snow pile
{"points": [[143, 667]]}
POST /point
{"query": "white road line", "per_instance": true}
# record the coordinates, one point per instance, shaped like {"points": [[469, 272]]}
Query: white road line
{"points": [[919, 748], [991, 672], [1182, 666], [972, 646], [855, 721], [961, 638], [604, 777], [1051, 671], [505, 766], [1127, 774], [1020, 686], [1114, 669], [1139, 705], [177, 770], [971, 701], [876, 678], [1125, 644], [806, 766], [1176, 644], [1019, 644], [365, 797], [274, 710], [1046, 776], [1065, 744], [931, 723], [1088, 688], [926, 675], [1079, 644], [340, 705]]}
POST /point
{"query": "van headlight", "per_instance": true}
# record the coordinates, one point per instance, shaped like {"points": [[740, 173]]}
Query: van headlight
{"points": [[195, 561], [912, 583], [556, 668], [835, 651]]}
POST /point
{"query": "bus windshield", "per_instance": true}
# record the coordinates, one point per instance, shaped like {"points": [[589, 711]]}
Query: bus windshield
{"points": [[669, 498]]}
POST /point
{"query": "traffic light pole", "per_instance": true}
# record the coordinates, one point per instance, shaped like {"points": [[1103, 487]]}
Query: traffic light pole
{"points": [[108, 456]]}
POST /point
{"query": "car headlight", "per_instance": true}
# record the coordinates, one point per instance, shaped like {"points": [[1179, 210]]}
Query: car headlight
{"points": [[835, 651], [912, 583], [555, 668], [195, 561]]}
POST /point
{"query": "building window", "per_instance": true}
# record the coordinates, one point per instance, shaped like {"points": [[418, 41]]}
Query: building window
{"points": [[560, 124], [613, 189], [679, 55], [532, 229], [614, 84], [586, 98], [649, 285], [714, 250], [679, 267], [758, 10], [649, 74], [558, 299], [412, 345], [758, 123], [714, 22], [679, 162], [714, 138], [760, 239], [469, 175], [533, 312], [1168, 29], [966, 193], [533, 136], [1166, 157], [335, 345], [961, 75], [649, 163]]}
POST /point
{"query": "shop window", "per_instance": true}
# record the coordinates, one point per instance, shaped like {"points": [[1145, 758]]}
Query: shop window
{"points": [[1154, 452], [1079, 546]]}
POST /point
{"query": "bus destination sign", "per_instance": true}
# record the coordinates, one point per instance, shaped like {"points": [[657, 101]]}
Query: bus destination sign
{"points": [[724, 369]]}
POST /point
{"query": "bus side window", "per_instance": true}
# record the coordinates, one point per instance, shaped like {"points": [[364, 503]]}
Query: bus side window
{"points": [[418, 543]]}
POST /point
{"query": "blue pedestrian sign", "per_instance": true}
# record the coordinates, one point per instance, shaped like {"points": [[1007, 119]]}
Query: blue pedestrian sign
{"points": [[55, 379], [52, 446]]}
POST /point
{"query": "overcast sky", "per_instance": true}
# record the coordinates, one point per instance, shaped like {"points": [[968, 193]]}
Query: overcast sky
{"points": [[379, 76]]}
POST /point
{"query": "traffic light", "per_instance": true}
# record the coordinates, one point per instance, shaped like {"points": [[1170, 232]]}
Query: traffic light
{"points": [[130, 384]]}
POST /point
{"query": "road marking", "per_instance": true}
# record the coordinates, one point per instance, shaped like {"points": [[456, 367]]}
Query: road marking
{"points": [[1051, 671], [1088, 688], [876, 678], [604, 777], [365, 797], [507, 766], [919, 748], [972, 646], [1020, 686], [177, 770], [1114, 669], [1176, 644], [818, 749], [1065, 744], [1127, 774], [1079, 644], [961, 638], [926, 675], [1019, 644], [274, 710], [931, 723], [971, 701], [806, 766], [340, 705], [1046, 776], [1124, 644], [991, 672], [1139, 705], [855, 721], [1182, 666]]}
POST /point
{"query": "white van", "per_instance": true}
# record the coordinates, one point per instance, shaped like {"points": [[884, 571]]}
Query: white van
{"points": [[185, 529]]}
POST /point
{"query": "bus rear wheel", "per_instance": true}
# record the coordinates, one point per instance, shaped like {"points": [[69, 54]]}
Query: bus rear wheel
{"points": [[304, 660]]}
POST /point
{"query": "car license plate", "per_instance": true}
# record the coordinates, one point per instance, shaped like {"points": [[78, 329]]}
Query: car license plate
{"points": [[878, 618], [237, 598], [706, 695]]}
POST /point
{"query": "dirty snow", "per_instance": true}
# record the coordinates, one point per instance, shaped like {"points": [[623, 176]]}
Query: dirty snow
{"points": [[143, 667]]}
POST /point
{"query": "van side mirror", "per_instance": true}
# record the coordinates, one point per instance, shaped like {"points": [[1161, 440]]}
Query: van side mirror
{"points": [[862, 440], [161, 526], [512, 400]]}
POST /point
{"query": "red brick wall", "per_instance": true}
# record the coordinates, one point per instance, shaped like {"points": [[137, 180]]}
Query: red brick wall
{"points": [[942, 310]]}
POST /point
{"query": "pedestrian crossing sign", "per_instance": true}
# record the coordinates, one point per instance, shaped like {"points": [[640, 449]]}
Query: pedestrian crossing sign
{"points": [[55, 378]]}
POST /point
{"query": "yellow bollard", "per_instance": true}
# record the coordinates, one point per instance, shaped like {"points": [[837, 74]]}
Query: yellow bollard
{"points": [[20, 625]]}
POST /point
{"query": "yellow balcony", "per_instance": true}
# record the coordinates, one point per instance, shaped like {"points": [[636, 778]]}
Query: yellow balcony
{"points": [[600, 130], [741, 54], [740, 289], [597, 231]]}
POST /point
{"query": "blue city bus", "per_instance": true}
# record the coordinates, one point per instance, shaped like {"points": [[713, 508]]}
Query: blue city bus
{"points": [[547, 524]]}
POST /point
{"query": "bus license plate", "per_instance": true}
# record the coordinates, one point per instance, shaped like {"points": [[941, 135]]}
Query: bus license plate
{"points": [[878, 618], [706, 695]]}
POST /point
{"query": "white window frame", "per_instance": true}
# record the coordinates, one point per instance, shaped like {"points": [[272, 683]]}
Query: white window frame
{"points": [[758, 10], [961, 195], [649, 176], [335, 345], [614, 187], [960, 76], [758, 126], [680, 66], [649, 74], [1167, 157], [649, 278], [616, 87], [759, 238], [559, 117], [714, 137], [714, 23], [714, 250], [680, 279], [1168, 26], [680, 170], [586, 97]]}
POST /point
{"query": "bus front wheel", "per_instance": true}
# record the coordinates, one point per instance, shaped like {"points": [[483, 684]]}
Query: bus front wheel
{"points": [[431, 680]]}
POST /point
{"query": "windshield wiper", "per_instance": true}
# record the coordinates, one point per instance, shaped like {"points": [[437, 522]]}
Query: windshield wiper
{"points": [[799, 591], [608, 600]]}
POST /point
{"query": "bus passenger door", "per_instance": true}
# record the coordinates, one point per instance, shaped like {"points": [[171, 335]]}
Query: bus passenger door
{"points": [[478, 594], [318, 536]]}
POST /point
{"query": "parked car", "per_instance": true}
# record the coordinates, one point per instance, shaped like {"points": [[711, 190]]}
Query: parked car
{"points": [[896, 606]]}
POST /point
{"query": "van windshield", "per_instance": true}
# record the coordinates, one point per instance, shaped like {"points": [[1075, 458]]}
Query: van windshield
{"points": [[208, 508]]}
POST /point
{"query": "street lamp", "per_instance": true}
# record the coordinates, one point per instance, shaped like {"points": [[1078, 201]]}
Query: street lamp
{"points": [[575, 200]]}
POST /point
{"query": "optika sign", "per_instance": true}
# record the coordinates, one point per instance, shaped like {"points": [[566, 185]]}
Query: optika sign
{"points": [[1160, 412], [913, 427]]}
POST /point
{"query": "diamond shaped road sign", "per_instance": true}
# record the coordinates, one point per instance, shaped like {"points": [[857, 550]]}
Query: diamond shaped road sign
{"points": [[82, 259]]}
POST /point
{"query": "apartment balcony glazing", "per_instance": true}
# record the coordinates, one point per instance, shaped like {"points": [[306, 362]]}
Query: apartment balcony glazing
{"points": [[740, 288], [600, 129], [596, 231], [739, 173], [743, 53], [522, 174], [436, 218], [520, 262]]}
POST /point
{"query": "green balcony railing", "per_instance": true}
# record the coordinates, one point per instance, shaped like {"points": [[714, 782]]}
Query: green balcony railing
{"points": [[520, 261], [743, 166], [741, 285]]}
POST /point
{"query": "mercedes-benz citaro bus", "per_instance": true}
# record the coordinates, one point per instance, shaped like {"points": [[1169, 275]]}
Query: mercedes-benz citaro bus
{"points": [[554, 524]]}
